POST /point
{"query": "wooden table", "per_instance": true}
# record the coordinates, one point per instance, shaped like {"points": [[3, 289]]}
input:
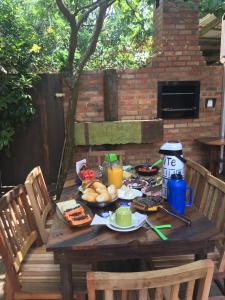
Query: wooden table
{"points": [[213, 143], [99, 243]]}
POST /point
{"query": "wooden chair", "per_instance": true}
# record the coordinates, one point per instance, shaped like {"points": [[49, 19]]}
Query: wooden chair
{"points": [[195, 176], [213, 206], [30, 271], [158, 280], [96, 158], [40, 201]]}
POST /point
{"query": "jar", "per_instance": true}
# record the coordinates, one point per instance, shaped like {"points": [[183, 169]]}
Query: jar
{"points": [[114, 171]]}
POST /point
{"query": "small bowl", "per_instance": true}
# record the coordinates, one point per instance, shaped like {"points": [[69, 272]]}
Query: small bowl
{"points": [[146, 172]]}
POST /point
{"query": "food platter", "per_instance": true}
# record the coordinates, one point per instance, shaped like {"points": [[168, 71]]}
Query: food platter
{"points": [[85, 211], [146, 171], [135, 183]]}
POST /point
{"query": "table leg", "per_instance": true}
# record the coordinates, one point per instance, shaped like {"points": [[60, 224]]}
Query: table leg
{"points": [[198, 256], [66, 281]]}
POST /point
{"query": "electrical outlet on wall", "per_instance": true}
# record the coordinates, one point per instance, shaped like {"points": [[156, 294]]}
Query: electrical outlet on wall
{"points": [[210, 102]]}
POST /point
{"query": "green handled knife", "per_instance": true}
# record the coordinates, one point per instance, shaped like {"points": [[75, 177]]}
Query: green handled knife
{"points": [[157, 231]]}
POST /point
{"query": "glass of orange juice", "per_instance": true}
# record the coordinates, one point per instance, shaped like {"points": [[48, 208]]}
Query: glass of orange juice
{"points": [[115, 175]]}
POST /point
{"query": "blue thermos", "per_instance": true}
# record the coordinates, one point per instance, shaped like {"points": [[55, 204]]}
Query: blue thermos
{"points": [[176, 194]]}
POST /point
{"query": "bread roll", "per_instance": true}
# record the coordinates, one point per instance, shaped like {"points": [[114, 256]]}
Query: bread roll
{"points": [[89, 190], [89, 197], [101, 190], [104, 197], [98, 185]]}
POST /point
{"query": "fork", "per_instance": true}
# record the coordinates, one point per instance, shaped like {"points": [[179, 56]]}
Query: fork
{"points": [[146, 226]]}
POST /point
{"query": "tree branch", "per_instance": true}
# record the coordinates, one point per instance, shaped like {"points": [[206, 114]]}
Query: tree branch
{"points": [[88, 6], [73, 35], [94, 38], [91, 9], [65, 11]]}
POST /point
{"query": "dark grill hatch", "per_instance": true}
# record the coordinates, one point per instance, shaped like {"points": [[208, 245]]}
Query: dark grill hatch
{"points": [[178, 99]]}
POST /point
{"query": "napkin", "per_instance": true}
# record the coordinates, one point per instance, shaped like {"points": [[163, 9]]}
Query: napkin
{"points": [[68, 204], [97, 220]]}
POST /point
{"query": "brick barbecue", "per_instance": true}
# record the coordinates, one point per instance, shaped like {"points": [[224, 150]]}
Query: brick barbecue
{"points": [[177, 57]]}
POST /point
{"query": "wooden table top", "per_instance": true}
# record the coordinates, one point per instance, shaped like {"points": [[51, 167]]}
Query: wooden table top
{"points": [[213, 141], [101, 243]]}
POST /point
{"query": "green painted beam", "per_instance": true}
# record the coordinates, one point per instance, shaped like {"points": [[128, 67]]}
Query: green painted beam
{"points": [[118, 132]]}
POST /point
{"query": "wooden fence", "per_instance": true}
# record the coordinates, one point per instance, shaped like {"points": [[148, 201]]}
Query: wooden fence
{"points": [[42, 141]]}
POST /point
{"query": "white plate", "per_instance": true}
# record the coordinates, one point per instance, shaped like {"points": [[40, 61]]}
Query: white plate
{"points": [[125, 229], [113, 223], [128, 193], [139, 220]]}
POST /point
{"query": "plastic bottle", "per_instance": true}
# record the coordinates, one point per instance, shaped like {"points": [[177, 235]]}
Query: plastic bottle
{"points": [[177, 191]]}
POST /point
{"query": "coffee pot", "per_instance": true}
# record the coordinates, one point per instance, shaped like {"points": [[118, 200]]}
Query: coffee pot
{"points": [[173, 162]]}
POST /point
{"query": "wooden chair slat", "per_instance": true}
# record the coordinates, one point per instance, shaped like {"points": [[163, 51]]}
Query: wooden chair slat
{"points": [[109, 294], [159, 293], [189, 290], [174, 292], [143, 294], [195, 176]]}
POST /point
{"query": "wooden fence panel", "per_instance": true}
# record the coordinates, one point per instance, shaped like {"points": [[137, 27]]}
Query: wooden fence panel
{"points": [[42, 141]]}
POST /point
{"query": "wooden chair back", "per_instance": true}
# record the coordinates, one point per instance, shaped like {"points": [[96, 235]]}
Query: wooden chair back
{"points": [[195, 176], [213, 206], [17, 231], [96, 158], [39, 199], [158, 280]]}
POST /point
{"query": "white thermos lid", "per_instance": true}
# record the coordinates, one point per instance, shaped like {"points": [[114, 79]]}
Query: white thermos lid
{"points": [[172, 146]]}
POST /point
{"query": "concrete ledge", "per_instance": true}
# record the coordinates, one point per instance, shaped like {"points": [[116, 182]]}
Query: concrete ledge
{"points": [[118, 132]]}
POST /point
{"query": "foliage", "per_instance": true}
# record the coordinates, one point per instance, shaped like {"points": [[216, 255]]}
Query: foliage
{"points": [[15, 41], [28, 45], [213, 6], [126, 40]]}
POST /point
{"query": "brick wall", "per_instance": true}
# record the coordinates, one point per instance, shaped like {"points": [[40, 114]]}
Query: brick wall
{"points": [[177, 57]]}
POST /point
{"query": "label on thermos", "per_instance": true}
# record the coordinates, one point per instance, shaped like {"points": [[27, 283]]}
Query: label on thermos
{"points": [[171, 165]]}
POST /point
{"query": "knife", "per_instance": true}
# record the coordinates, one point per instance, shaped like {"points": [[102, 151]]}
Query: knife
{"points": [[157, 231], [181, 218]]}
